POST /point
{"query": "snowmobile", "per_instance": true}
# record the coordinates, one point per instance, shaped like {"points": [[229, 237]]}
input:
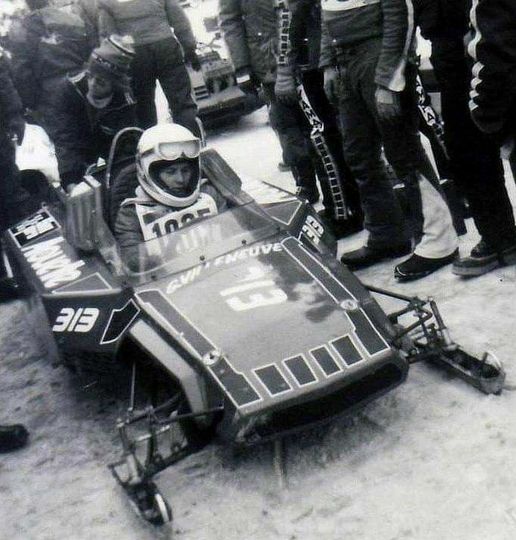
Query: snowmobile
{"points": [[243, 325]]}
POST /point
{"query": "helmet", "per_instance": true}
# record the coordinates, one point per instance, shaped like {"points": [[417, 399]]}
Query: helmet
{"points": [[162, 144]]}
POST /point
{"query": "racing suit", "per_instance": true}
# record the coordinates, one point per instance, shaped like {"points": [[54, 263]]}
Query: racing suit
{"points": [[250, 31], [82, 133], [160, 54], [142, 218], [369, 42], [493, 94], [474, 157]]}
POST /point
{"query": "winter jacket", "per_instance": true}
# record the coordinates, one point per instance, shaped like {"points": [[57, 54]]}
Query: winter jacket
{"points": [[442, 18], [49, 43], [251, 34], [348, 23], [83, 133], [305, 33], [10, 102], [493, 48], [147, 21], [160, 219]]}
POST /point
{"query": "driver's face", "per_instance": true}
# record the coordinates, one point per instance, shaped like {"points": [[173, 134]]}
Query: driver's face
{"points": [[177, 176], [99, 87]]}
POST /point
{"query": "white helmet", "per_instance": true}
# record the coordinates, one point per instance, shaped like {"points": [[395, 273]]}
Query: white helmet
{"points": [[167, 143]]}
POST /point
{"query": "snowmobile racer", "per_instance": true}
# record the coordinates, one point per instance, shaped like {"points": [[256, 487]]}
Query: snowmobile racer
{"points": [[171, 193]]}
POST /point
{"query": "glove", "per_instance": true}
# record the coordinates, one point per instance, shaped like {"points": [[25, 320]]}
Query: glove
{"points": [[16, 128], [246, 82], [388, 104], [331, 84], [192, 59], [285, 86]]}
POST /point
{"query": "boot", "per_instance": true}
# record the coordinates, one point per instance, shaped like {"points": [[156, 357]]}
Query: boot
{"points": [[13, 437]]}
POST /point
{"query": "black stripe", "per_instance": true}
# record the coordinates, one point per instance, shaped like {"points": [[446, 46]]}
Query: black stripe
{"points": [[272, 379], [347, 350], [371, 340], [300, 370], [325, 360]]}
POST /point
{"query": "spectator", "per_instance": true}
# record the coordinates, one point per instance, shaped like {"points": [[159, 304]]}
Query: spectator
{"points": [[251, 33], [365, 52], [94, 105], [89, 12], [341, 201], [474, 156], [47, 44], [13, 199], [160, 54]]}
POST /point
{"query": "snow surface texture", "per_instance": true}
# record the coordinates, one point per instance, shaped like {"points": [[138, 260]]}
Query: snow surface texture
{"points": [[432, 460]]}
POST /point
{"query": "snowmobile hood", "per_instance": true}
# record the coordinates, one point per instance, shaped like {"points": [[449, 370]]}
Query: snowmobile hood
{"points": [[269, 322]]}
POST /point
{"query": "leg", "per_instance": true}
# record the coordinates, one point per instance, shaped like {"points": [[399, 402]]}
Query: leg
{"points": [[362, 151], [144, 86], [175, 82], [474, 158]]}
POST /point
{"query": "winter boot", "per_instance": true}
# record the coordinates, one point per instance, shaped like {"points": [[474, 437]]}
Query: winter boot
{"points": [[13, 437], [417, 267], [484, 258], [367, 255]]}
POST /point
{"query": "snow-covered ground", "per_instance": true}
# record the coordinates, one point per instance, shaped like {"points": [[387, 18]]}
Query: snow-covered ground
{"points": [[432, 460]]}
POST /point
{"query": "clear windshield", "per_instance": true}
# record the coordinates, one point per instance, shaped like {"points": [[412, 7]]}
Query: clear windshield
{"points": [[200, 241]]}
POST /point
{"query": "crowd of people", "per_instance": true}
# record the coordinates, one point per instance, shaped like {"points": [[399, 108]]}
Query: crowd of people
{"points": [[340, 78]]}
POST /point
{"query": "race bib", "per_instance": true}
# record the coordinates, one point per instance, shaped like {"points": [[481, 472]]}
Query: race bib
{"points": [[157, 221]]}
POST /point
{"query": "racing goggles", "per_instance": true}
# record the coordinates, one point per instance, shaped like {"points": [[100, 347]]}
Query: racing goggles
{"points": [[170, 151]]}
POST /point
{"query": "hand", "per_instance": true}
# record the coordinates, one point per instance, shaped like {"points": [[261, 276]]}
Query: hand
{"points": [[16, 128], [331, 82], [192, 59], [388, 104], [246, 82], [285, 86]]}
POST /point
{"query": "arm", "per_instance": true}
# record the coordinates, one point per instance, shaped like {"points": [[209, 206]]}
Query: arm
{"points": [[127, 227], [106, 21], [182, 28], [233, 28], [24, 42], [398, 34], [493, 49]]}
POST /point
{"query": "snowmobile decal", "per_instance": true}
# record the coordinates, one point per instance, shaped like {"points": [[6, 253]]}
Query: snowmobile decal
{"points": [[119, 321], [41, 223], [71, 320], [301, 370], [325, 360], [91, 284], [52, 264], [272, 379]]}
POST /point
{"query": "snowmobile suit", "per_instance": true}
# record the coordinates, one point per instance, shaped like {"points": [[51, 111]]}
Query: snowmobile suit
{"points": [[83, 133], [474, 157], [369, 43], [142, 218], [160, 54], [250, 29], [340, 192], [45, 46]]}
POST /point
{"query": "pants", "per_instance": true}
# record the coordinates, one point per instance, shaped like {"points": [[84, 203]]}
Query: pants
{"points": [[364, 134], [163, 60], [474, 158], [339, 197], [288, 121]]}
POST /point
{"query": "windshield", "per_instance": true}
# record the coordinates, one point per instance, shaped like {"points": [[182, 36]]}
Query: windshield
{"points": [[198, 242]]}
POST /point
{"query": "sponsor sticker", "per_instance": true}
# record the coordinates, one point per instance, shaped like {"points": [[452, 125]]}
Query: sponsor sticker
{"points": [[52, 264], [34, 227]]}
